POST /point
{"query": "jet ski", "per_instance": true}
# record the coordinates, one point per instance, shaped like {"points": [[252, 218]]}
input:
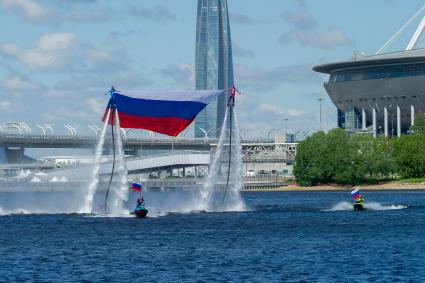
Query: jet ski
{"points": [[358, 207], [140, 211]]}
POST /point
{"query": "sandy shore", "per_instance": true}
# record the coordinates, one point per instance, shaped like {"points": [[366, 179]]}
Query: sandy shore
{"points": [[384, 186]]}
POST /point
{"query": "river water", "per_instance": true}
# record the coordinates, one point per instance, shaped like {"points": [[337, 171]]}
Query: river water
{"points": [[282, 237]]}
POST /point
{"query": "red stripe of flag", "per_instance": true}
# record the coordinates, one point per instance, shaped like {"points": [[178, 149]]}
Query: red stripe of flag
{"points": [[136, 189]]}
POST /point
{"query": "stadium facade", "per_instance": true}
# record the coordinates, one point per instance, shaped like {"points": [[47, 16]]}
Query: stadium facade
{"points": [[213, 62], [379, 93]]}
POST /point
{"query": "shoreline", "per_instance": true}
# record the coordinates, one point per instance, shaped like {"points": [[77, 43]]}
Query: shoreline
{"points": [[383, 187]]}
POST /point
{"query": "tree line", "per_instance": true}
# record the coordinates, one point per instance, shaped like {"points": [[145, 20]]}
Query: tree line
{"points": [[343, 158]]}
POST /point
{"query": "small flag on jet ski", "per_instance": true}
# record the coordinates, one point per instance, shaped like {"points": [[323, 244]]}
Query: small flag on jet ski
{"points": [[355, 193], [136, 186]]}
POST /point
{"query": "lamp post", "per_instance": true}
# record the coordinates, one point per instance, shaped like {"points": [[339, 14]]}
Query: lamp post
{"points": [[320, 111]]}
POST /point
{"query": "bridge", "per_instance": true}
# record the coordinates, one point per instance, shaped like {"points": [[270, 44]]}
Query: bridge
{"points": [[169, 171], [156, 156], [135, 165], [136, 146], [74, 141]]}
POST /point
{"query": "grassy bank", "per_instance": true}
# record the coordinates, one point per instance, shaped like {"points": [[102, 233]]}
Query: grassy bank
{"points": [[406, 184]]}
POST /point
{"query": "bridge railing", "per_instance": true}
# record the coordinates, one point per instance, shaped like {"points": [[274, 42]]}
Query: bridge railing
{"points": [[176, 152], [127, 139]]}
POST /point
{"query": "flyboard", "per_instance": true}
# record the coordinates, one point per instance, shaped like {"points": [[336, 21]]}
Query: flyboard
{"points": [[167, 113]]}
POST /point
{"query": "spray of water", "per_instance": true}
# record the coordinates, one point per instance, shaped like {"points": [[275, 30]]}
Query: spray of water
{"points": [[88, 200], [378, 206], [233, 200], [119, 193], [207, 191], [211, 198], [369, 206]]}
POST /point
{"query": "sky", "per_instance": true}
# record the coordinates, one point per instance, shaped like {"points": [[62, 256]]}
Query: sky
{"points": [[59, 57]]}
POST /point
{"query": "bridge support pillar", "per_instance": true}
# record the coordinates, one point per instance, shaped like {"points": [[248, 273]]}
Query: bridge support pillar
{"points": [[412, 115], [8, 155], [363, 119], [385, 121], [374, 121], [398, 121]]}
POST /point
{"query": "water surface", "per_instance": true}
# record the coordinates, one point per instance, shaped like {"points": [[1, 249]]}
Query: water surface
{"points": [[285, 236]]}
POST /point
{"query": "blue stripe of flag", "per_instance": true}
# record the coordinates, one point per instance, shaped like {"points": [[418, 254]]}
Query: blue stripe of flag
{"points": [[136, 185]]}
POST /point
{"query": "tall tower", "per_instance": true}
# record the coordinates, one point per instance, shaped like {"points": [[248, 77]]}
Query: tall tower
{"points": [[214, 64]]}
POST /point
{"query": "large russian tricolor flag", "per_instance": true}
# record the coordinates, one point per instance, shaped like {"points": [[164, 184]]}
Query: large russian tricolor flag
{"points": [[167, 113]]}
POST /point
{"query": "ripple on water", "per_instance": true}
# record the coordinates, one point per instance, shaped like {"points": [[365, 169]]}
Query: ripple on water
{"points": [[285, 236]]}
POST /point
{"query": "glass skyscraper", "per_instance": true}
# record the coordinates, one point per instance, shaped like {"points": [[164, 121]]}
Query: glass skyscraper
{"points": [[214, 65]]}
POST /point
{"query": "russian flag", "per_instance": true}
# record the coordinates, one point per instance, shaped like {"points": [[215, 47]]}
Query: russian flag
{"points": [[136, 186], [167, 113], [355, 193]]}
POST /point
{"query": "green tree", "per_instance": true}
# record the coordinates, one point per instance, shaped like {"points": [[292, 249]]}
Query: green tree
{"points": [[310, 166], [383, 163], [409, 155], [338, 151], [338, 157], [360, 159], [419, 127]]}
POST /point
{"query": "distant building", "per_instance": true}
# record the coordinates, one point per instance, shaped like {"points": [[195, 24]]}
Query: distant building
{"points": [[378, 93], [214, 65]]}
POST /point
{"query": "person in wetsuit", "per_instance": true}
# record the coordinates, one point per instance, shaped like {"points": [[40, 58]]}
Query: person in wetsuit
{"points": [[140, 202], [232, 95], [359, 200]]}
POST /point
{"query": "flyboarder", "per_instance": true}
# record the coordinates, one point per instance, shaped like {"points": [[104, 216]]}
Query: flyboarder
{"points": [[233, 92]]}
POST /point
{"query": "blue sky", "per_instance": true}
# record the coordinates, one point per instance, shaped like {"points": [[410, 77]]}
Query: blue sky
{"points": [[58, 57]]}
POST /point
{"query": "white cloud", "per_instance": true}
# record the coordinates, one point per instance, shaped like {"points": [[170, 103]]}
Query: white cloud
{"points": [[37, 13], [301, 18], [278, 110], [328, 39], [31, 9], [18, 84], [306, 31], [56, 41], [239, 51], [158, 14], [182, 74], [5, 105], [63, 52], [263, 79], [238, 18], [95, 105], [50, 52]]}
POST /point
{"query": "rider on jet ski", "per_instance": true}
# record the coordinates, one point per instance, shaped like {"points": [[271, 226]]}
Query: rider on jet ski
{"points": [[359, 200], [140, 202]]}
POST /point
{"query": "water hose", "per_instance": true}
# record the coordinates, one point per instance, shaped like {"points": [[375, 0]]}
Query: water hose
{"points": [[113, 160], [230, 158]]}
